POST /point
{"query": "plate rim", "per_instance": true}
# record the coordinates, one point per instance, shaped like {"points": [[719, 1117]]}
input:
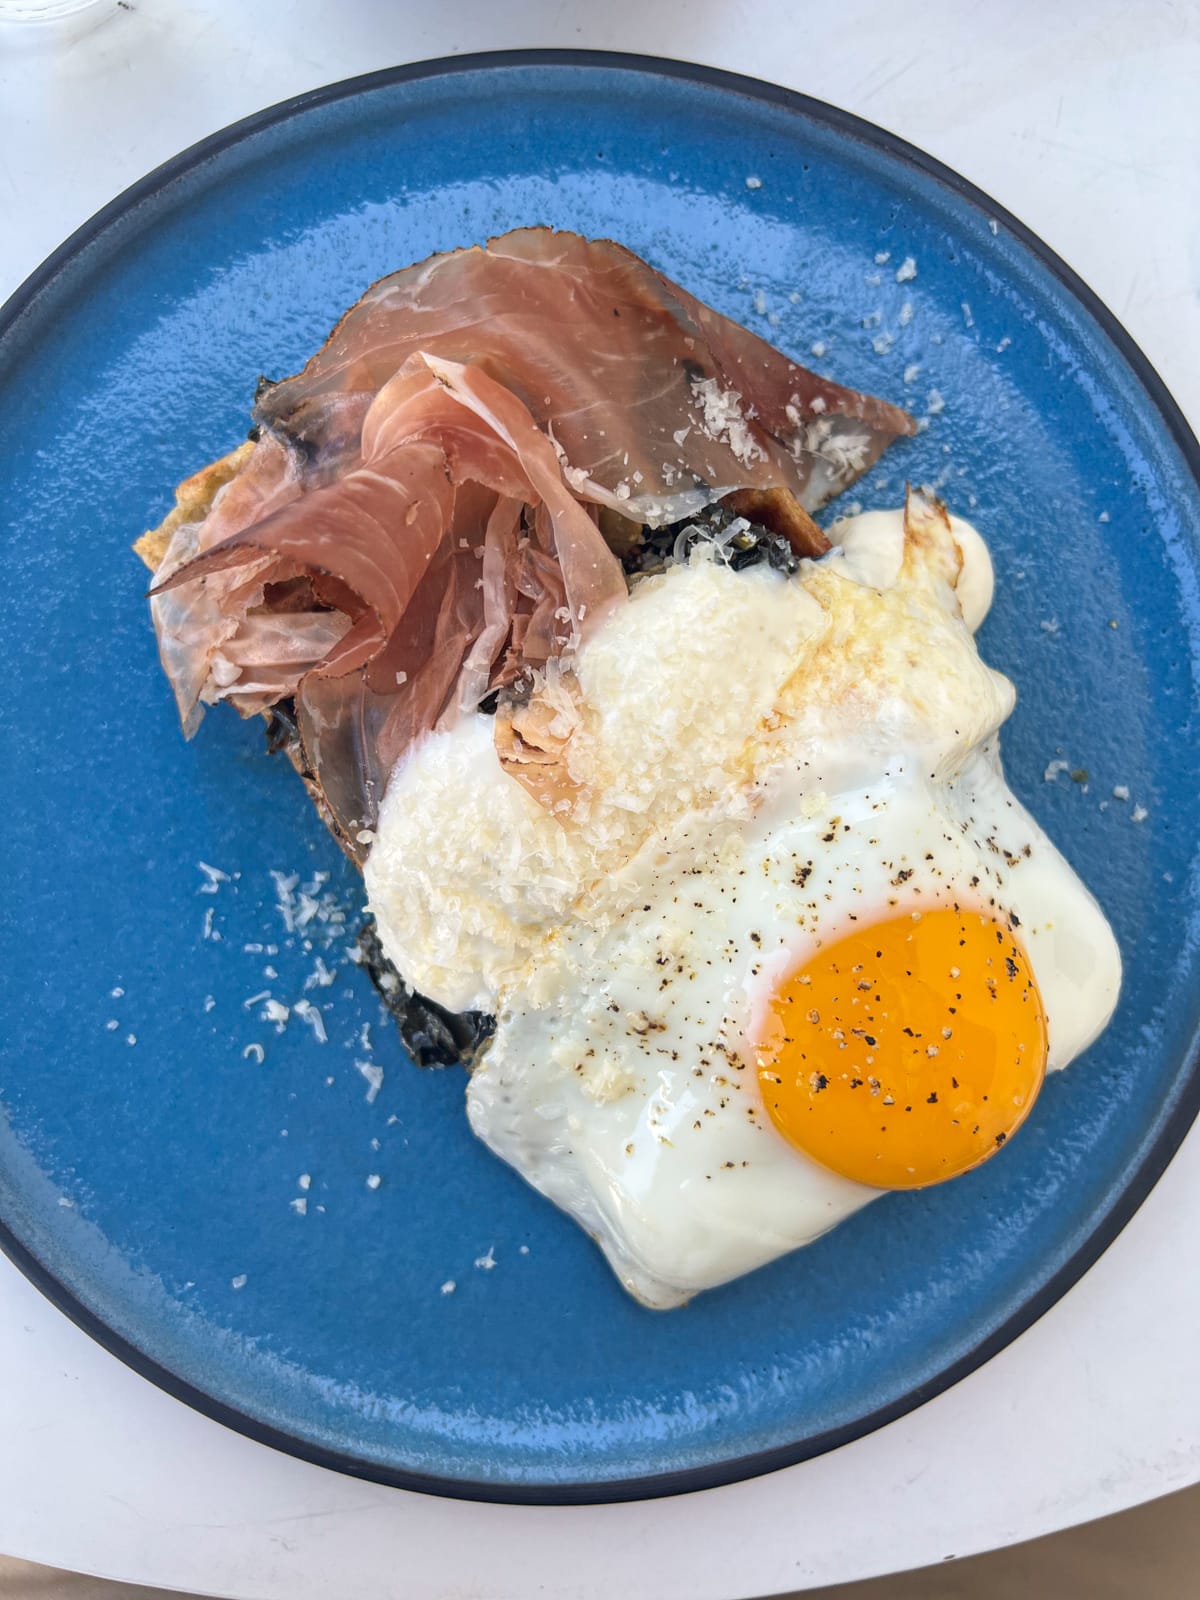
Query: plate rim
{"points": [[1155, 1159]]}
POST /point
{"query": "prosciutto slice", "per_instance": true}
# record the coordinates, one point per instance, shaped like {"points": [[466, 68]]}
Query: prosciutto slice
{"points": [[420, 521], [659, 404]]}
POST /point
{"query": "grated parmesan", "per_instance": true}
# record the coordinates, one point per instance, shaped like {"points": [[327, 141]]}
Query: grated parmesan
{"points": [[307, 1012], [724, 421], [374, 1076]]}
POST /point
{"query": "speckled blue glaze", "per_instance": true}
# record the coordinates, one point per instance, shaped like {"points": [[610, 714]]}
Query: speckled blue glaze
{"points": [[142, 1182]]}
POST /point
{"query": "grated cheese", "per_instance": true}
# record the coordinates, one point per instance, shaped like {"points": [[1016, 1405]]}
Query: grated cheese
{"points": [[724, 421], [307, 1012], [374, 1076], [275, 1011]]}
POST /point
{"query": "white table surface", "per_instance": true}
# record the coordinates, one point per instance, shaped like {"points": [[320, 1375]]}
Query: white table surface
{"points": [[1085, 121]]}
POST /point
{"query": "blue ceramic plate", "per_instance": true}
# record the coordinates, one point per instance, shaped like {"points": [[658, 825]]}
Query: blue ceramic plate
{"points": [[156, 893]]}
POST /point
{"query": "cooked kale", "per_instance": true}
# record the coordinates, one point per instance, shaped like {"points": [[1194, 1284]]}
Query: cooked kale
{"points": [[433, 1036], [746, 546]]}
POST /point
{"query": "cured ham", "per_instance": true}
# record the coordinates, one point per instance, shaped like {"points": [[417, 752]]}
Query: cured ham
{"points": [[428, 513]]}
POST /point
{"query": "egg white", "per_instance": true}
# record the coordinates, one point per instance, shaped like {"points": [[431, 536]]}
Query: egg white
{"points": [[761, 762]]}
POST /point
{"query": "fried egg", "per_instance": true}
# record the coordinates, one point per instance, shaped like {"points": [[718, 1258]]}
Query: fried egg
{"points": [[779, 937]]}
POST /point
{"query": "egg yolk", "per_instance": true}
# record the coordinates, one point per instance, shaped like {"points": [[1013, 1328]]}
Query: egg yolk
{"points": [[908, 1051]]}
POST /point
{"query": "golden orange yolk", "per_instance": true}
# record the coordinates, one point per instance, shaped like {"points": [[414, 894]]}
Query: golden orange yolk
{"points": [[906, 1052]]}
